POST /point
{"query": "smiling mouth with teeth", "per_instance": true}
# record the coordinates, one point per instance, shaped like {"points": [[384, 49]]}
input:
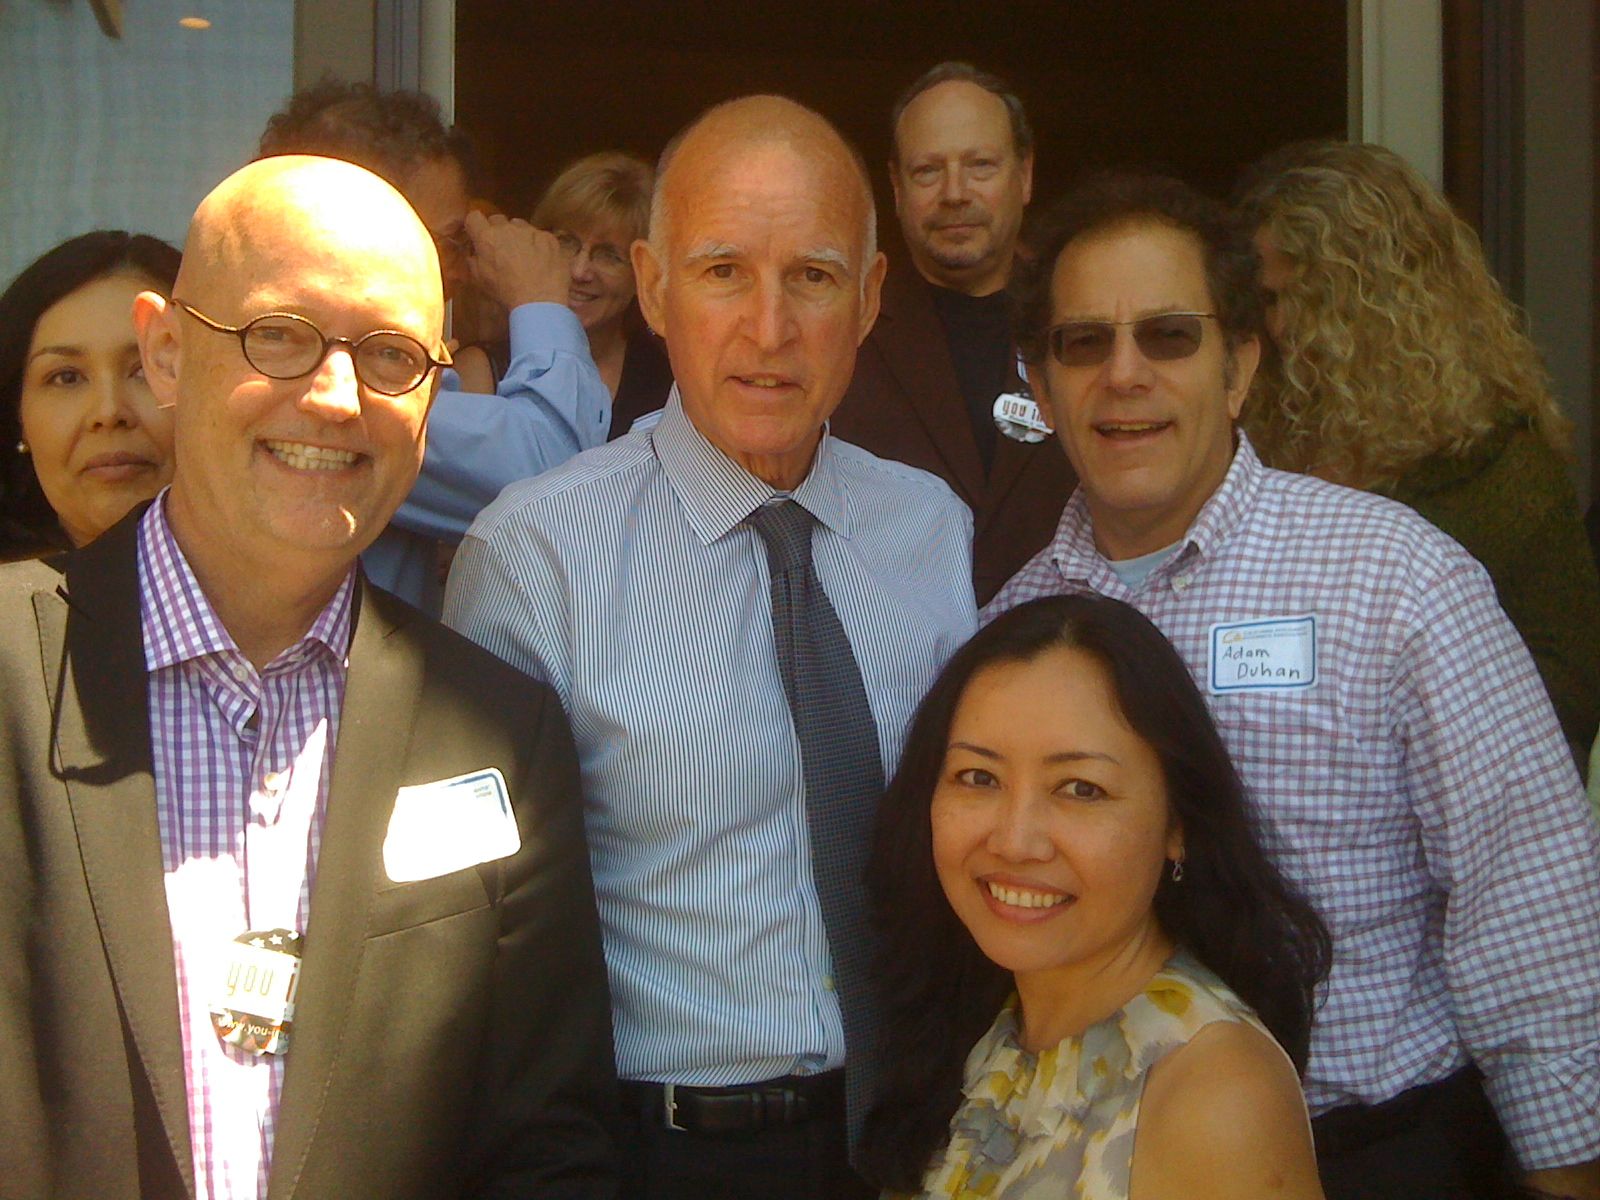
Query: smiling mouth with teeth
{"points": [[311, 458], [1025, 897]]}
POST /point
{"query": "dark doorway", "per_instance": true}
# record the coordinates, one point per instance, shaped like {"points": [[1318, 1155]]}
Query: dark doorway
{"points": [[1199, 89]]}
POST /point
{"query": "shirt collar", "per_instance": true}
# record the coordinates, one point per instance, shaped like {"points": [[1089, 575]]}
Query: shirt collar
{"points": [[179, 623], [1231, 502], [1073, 550], [717, 494]]}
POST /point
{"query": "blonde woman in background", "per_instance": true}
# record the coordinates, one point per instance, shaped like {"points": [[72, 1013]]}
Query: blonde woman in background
{"points": [[1401, 368], [597, 207]]}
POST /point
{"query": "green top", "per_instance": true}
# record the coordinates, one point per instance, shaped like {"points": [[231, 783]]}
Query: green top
{"points": [[1509, 501]]}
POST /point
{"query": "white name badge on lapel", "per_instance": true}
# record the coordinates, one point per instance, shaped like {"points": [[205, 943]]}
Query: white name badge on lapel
{"points": [[1019, 418], [449, 825], [1017, 414], [252, 995], [1277, 654]]}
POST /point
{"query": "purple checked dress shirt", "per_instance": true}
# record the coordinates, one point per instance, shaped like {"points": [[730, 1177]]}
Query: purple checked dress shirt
{"points": [[1419, 791], [242, 761]]}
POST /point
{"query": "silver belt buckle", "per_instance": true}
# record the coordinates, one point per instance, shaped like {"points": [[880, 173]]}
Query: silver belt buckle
{"points": [[669, 1106]]}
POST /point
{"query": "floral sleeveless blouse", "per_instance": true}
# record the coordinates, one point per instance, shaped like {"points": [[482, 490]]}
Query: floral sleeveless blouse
{"points": [[1060, 1124]]}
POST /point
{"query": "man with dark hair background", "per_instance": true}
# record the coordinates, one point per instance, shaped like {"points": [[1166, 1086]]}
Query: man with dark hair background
{"points": [[1387, 717], [400, 136], [941, 356], [550, 403]]}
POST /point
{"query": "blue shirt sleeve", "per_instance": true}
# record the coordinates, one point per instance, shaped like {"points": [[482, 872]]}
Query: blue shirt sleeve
{"points": [[551, 405]]}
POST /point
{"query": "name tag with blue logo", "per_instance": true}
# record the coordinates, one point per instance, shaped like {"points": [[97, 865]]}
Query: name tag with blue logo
{"points": [[1278, 654]]}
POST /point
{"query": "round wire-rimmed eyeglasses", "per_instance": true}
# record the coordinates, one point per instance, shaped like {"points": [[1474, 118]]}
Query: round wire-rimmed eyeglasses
{"points": [[285, 346]]}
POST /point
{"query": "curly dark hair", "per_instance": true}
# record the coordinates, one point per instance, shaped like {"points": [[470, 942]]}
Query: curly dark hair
{"points": [[1110, 199], [388, 133], [1233, 910], [54, 275]]}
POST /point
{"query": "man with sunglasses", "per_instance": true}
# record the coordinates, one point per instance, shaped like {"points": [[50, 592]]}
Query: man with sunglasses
{"points": [[293, 886], [1401, 749], [549, 403], [938, 383]]}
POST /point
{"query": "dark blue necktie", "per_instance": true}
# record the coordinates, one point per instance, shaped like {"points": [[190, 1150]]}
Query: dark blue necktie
{"points": [[842, 770]]}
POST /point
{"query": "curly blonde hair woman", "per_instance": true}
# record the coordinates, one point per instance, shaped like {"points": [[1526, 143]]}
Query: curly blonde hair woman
{"points": [[1402, 368], [1397, 344]]}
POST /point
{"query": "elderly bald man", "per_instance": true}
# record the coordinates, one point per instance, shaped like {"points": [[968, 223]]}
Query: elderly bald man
{"points": [[740, 613], [293, 893]]}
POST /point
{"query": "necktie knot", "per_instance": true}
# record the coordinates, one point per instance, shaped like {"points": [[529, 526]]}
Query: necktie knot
{"points": [[785, 527]]}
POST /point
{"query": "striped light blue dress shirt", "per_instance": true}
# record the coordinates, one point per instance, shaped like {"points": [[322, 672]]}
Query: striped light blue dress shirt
{"points": [[628, 580]]}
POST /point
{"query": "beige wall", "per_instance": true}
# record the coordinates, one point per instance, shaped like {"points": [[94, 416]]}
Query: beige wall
{"points": [[333, 37], [1397, 80], [339, 38]]}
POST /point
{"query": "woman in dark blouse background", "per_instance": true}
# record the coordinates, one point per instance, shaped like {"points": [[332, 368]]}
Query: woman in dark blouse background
{"points": [[598, 206]]}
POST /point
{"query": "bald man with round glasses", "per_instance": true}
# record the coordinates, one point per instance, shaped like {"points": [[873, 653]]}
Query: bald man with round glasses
{"points": [[293, 892]]}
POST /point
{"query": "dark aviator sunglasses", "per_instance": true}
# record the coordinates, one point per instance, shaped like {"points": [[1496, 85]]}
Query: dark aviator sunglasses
{"points": [[1164, 337]]}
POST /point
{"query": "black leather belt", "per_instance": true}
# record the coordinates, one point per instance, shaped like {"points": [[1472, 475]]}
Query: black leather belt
{"points": [[745, 1108]]}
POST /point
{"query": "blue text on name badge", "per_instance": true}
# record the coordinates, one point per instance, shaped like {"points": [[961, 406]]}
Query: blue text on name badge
{"points": [[1277, 654]]}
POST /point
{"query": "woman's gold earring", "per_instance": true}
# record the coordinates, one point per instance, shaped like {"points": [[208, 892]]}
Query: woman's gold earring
{"points": [[22, 447]]}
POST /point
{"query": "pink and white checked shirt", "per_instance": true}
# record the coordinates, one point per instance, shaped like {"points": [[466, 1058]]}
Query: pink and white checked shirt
{"points": [[242, 764], [1421, 793]]}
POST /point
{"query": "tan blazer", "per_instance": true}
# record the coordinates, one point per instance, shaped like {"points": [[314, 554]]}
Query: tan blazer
{"points": [[452, 1036]]}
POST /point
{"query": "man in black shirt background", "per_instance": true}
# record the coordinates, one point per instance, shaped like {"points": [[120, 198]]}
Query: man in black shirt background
{"points": [[941, 360]]}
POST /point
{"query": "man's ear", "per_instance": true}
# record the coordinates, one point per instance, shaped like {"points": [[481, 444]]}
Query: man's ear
{"points": [[872, 295], [1027, 178], [433, 394], [649, 276], [154, 322], [1039, 385], [1243, 359]]}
